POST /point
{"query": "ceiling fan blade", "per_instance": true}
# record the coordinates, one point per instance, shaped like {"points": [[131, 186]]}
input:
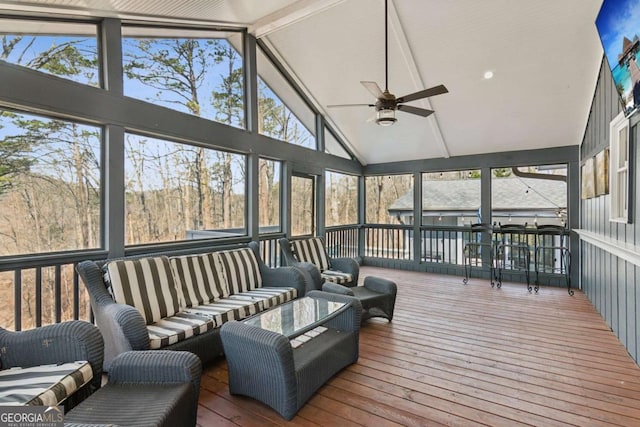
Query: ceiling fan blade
{"points": [[415, 110], [350, 105], [373, 88], [436, 90]]}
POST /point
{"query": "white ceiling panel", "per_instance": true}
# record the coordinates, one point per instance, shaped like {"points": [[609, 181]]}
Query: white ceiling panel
{"points": [[231, 12], [545, 56]]}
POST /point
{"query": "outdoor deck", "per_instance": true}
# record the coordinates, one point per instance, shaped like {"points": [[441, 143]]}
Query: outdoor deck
{"points": [[464, 355]]}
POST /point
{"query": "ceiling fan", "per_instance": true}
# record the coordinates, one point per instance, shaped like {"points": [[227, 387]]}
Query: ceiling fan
{"points": [[386, 102]]}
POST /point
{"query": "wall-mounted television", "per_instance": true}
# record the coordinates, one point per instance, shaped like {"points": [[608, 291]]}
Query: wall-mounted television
{"points": [[618, 25]]}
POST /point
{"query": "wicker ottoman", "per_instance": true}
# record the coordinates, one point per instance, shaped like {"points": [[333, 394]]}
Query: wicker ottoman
{"points": [[377, 296], [153, 388]]}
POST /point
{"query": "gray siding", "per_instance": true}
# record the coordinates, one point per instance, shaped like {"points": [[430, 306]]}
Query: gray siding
{"points": [[610, 282]]}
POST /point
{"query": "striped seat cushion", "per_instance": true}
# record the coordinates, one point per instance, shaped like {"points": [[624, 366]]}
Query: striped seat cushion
{"points": [[146, 284], [335, 276], [44, 385], [241, 270], [177, 328], [234, 307], [271, 296], [311, 250], [201, 278]]}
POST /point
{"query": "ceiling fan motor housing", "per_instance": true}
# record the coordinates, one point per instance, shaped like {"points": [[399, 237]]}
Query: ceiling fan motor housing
{"points": [[388, 102]]}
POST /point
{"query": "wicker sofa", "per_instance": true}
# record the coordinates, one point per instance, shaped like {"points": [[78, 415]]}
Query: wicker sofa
{"points": [[179, 303]]}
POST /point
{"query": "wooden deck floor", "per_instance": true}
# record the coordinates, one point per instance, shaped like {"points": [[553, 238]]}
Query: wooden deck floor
{"points": [[464, 355]]}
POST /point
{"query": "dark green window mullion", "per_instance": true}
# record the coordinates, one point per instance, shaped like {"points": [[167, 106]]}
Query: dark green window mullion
{"points": [[250, 83]]}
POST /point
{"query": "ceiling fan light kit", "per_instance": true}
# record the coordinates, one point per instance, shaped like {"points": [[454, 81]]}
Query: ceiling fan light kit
{"points": [[386, 102], [386, 117]]}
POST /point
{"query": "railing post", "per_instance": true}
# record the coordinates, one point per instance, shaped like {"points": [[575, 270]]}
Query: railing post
{"points": [[417, 218], [362, 215]]}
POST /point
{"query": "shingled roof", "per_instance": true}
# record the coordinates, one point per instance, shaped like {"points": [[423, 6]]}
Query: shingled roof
{"points": [[509, 194]]}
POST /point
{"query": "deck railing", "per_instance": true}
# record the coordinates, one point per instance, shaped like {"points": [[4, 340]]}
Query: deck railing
{"points": [[46, 289], [342, 241]]}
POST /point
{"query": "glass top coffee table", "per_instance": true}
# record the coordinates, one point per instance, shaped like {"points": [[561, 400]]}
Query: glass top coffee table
{"points": [[297, 317], [283, 355]]}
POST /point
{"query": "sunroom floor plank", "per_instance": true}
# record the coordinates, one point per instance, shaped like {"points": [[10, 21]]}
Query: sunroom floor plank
{"points": [[463, 355]]}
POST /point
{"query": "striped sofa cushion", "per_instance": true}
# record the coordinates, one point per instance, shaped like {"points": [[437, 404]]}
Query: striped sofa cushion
{"points": [[201, 278], [335, 276], [146, 284], [241, 270], [311, 250], [177, 328], [231, 308], [44, 385]]}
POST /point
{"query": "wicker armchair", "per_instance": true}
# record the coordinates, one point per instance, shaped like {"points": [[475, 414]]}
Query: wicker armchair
{"points": [[53, 345], [158, 388], [310, 255]]}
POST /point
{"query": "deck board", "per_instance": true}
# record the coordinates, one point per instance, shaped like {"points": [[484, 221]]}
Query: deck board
{"points": [[463, 355]]}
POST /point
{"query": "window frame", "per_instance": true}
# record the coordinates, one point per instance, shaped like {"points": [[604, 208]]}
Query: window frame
{"points": [[327, 173], [314, 194], [101, 236], [280, 196], [195, 233], [619, 175]]}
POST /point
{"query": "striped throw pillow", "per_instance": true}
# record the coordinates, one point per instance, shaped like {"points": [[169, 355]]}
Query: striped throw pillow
{"points": [[241, 269], [201, 278], [146, 284], [311, 250]]}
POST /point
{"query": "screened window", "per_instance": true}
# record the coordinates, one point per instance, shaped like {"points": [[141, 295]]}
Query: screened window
{"points": [[536, 195], [191, 71], [302, 205], [269, 194], [451, 198], [64, 49], [332, 146], [341, 199], [177, 191], [282, 113], [389, 199], [619, 169], [49, 184]]}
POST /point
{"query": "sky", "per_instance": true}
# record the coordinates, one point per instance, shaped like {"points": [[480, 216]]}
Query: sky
{"points": [[617, 19]]}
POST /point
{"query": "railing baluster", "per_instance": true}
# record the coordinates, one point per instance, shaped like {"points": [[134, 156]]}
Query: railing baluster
{"points": [[76, 294], [38, 285], [17, 296], [58, 291]]}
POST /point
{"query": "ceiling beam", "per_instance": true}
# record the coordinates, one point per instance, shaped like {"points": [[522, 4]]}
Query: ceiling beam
{"points": [[414, 74], [288, 15]]}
